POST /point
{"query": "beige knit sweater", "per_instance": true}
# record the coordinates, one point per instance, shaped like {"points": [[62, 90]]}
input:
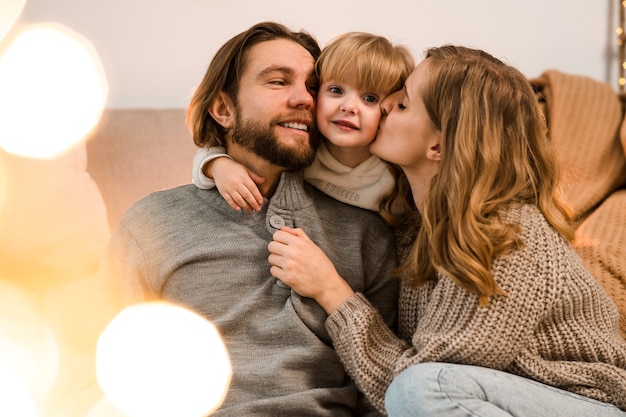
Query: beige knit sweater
{"points": [[557, 325]]}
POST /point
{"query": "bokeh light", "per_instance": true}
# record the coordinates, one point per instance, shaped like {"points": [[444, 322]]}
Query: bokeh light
{"points": [[9, 12], [28, 348], [52, 91], [158, 359], [16, 400], [3, 185]]}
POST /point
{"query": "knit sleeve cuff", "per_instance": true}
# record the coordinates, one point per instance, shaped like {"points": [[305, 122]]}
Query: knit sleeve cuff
{"points": [[345, 313]]}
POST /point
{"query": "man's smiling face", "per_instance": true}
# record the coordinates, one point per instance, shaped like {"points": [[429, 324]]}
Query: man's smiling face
{"points": [[276, 103]]}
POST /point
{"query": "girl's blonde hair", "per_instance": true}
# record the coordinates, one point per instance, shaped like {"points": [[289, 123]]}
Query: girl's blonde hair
{"points": [[496, 155], [369, 61]]}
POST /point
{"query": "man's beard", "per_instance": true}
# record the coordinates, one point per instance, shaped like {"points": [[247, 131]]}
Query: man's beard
{"points": [[262, 141]]}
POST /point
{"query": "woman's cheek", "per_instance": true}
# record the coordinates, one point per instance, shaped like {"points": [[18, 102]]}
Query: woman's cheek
{"points": [[377, 147]]}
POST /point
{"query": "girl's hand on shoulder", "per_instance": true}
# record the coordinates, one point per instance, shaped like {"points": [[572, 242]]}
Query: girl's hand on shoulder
{"points": [[303, 266], [237, 184]]}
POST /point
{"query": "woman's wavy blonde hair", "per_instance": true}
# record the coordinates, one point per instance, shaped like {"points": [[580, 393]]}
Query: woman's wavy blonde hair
{"points": [[495, 155]]}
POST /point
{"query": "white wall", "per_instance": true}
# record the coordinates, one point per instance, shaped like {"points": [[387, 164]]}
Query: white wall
{"points": [[155, 51]]}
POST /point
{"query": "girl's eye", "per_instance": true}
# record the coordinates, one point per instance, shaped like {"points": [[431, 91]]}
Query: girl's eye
{"points": [[335, 90], [370, 98]]}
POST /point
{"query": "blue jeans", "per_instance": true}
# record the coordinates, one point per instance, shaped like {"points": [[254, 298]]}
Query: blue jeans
{"points": [[450, 390]]}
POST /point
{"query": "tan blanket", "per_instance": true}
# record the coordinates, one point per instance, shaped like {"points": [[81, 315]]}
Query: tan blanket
{"points": [[584, 119]]}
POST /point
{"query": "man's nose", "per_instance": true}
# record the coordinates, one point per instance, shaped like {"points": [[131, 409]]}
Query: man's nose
{"points": [[302, 98]]}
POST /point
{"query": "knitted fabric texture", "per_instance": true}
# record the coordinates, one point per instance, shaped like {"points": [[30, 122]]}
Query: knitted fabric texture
{"points": [[187, 246], [556, 326], [363, 185], [584, 118], [586, 127], [601, 242]]}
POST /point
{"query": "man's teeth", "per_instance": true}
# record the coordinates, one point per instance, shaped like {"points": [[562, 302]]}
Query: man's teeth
{"points": [[299, 126]]}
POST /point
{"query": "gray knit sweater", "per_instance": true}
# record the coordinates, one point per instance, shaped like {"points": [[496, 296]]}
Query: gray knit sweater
{"points": [[186, 245], [556, 326]]}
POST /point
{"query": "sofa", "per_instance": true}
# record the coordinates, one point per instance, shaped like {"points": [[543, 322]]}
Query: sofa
{"points": [[56, 217]]}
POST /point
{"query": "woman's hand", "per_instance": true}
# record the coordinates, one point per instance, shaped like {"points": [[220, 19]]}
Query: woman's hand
{"points": [[302, 265]]}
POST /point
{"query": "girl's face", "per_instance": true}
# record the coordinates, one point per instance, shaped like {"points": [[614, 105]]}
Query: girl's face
{"points": [[407, 136], [346, 115]]}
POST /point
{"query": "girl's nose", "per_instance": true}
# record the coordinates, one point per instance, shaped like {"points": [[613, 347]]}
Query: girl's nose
{"points": [[348, 106], [348, 109]]}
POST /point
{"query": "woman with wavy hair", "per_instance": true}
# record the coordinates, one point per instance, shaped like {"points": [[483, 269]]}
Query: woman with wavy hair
{"points": [[497, 314]]}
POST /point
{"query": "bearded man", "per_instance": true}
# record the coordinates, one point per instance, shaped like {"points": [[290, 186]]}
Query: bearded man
{"points": [[187, 246]]}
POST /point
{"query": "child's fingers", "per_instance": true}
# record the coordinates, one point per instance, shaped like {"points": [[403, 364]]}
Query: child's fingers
{"points": [[254, 189], [256, 198], [251, 195], [242, 202], [231, 202]]}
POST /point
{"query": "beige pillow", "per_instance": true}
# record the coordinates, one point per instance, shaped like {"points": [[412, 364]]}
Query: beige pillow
{"points": [[53, 225]]}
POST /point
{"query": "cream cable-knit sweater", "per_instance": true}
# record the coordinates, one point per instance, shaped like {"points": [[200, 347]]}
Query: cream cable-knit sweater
{"points": [[363, 185], [557, 325]]}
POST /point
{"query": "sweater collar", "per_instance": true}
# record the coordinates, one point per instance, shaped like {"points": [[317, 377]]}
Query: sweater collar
{"points": [[290, 194]]}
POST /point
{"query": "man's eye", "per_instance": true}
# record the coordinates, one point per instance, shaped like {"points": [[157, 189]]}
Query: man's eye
{"points": [[277, 82]]}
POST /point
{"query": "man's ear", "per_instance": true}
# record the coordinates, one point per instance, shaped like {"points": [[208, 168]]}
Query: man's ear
{"points": [[223, 110]]}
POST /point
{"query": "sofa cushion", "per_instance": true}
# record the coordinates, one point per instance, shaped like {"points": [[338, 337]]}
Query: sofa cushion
{"points": [[133, 152]]}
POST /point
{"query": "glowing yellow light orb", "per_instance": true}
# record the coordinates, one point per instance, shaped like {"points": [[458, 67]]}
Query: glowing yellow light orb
{"points": [[3, 186], [9, 12], [28, 345], [158, 359], [52, 91], [16, 400]]}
